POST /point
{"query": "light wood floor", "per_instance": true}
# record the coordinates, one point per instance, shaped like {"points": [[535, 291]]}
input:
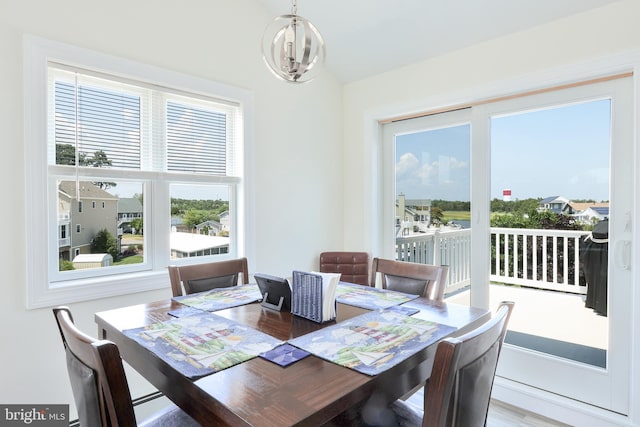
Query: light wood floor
{"points": [[503, 415]]}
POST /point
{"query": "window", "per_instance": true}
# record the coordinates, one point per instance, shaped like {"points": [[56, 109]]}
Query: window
{"points": [[166, 165]]}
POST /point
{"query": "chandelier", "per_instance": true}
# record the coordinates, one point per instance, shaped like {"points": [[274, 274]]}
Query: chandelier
{"points": [[293, 48]]}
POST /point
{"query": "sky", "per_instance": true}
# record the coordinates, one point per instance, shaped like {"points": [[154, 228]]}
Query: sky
{"points": [[562, 151]]}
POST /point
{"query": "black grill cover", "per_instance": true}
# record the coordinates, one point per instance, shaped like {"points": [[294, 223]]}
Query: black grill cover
{"points": [[593, 259]]}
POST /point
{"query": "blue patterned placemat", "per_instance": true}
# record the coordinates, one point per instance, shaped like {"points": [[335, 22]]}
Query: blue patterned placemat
{"points": [[370, 298], [221, 298], [372, 342], [202, 344], [184, 311]]}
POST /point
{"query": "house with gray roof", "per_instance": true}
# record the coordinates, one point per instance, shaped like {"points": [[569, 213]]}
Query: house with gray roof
{"points": [[555, 204], [83, 210], [210, 228], [129, 208]]}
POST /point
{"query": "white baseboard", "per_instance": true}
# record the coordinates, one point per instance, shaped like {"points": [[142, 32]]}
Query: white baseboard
{"points": [[556, 407]]}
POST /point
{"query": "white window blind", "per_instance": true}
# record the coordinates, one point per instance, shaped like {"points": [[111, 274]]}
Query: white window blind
{"points": [[116, 123], [196, 139], [110, 122]]}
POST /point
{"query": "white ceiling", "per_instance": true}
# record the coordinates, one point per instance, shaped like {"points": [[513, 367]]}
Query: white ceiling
{"points": [[368, 37]]}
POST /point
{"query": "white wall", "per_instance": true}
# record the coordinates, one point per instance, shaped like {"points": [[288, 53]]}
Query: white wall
{"points": [[487, 69], [297, 132]]}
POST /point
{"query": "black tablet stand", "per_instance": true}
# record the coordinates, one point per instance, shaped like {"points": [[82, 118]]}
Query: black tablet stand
{"points": [[270, 306]]}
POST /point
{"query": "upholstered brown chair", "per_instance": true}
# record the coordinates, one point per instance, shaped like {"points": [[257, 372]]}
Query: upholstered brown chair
{"points": [[425, 280], [99, 383], [203, 277], [353, 266], [459, 389]]}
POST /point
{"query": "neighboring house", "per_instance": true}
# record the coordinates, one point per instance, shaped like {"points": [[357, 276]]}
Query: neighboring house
{"points": [[555, 204], [64, 225], [129, 208], [210, 228], [79, 220], [224, 221], [594, 215], [583, 212], [177, 225], [185, 245], [588, 213], [412, 215]]}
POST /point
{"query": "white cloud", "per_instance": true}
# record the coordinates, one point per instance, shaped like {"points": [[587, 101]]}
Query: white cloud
{"points": [[407, 165]]}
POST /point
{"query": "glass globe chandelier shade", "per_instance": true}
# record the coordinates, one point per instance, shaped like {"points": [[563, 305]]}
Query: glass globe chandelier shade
{"points": [[293, 48]]}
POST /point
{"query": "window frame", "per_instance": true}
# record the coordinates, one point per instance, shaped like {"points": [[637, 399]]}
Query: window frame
{"points": [[41, 290]]}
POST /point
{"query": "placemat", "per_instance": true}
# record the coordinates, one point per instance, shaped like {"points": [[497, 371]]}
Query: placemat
{"points": [[370, 298], [372, 342], [221, 298], [202, 344]]}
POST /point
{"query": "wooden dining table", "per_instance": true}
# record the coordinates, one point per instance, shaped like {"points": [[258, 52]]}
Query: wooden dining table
{"points": [[309, 392]]}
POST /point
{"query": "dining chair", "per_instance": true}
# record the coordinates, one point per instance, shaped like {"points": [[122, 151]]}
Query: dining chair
{"points": [[203, 277], [353, 266], [428, 281], [99, 383], [459, 389]]}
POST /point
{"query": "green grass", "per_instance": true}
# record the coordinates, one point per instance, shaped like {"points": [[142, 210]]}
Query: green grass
{"points": [[134, 259], [465, 216], [456, 215]]}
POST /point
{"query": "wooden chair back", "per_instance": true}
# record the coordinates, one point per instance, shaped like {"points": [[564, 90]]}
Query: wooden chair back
{"points": [[202, 277], [353, 266], [428, 281], [459, 389], [97, 376]]}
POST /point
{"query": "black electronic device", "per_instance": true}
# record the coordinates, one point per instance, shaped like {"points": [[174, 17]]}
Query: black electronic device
{"points": [[276, 292]]}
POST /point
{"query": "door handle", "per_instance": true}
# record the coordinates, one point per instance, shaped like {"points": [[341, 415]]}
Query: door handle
{"points": [[622, 254]]}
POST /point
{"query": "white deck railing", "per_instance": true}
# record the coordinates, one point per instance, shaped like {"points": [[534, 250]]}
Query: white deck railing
{"points": [[544, 259]]}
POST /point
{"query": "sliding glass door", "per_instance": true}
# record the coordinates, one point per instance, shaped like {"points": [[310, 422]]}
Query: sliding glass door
{"points": [[528, 199]]}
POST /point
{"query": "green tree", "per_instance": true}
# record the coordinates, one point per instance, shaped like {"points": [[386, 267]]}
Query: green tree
{"points": [[66, 155], [514, 206], [216, 207], [100, 160], [104, 242], [544, 220], [64, 265], [194, 217], [138, 224], [437, 215]]}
